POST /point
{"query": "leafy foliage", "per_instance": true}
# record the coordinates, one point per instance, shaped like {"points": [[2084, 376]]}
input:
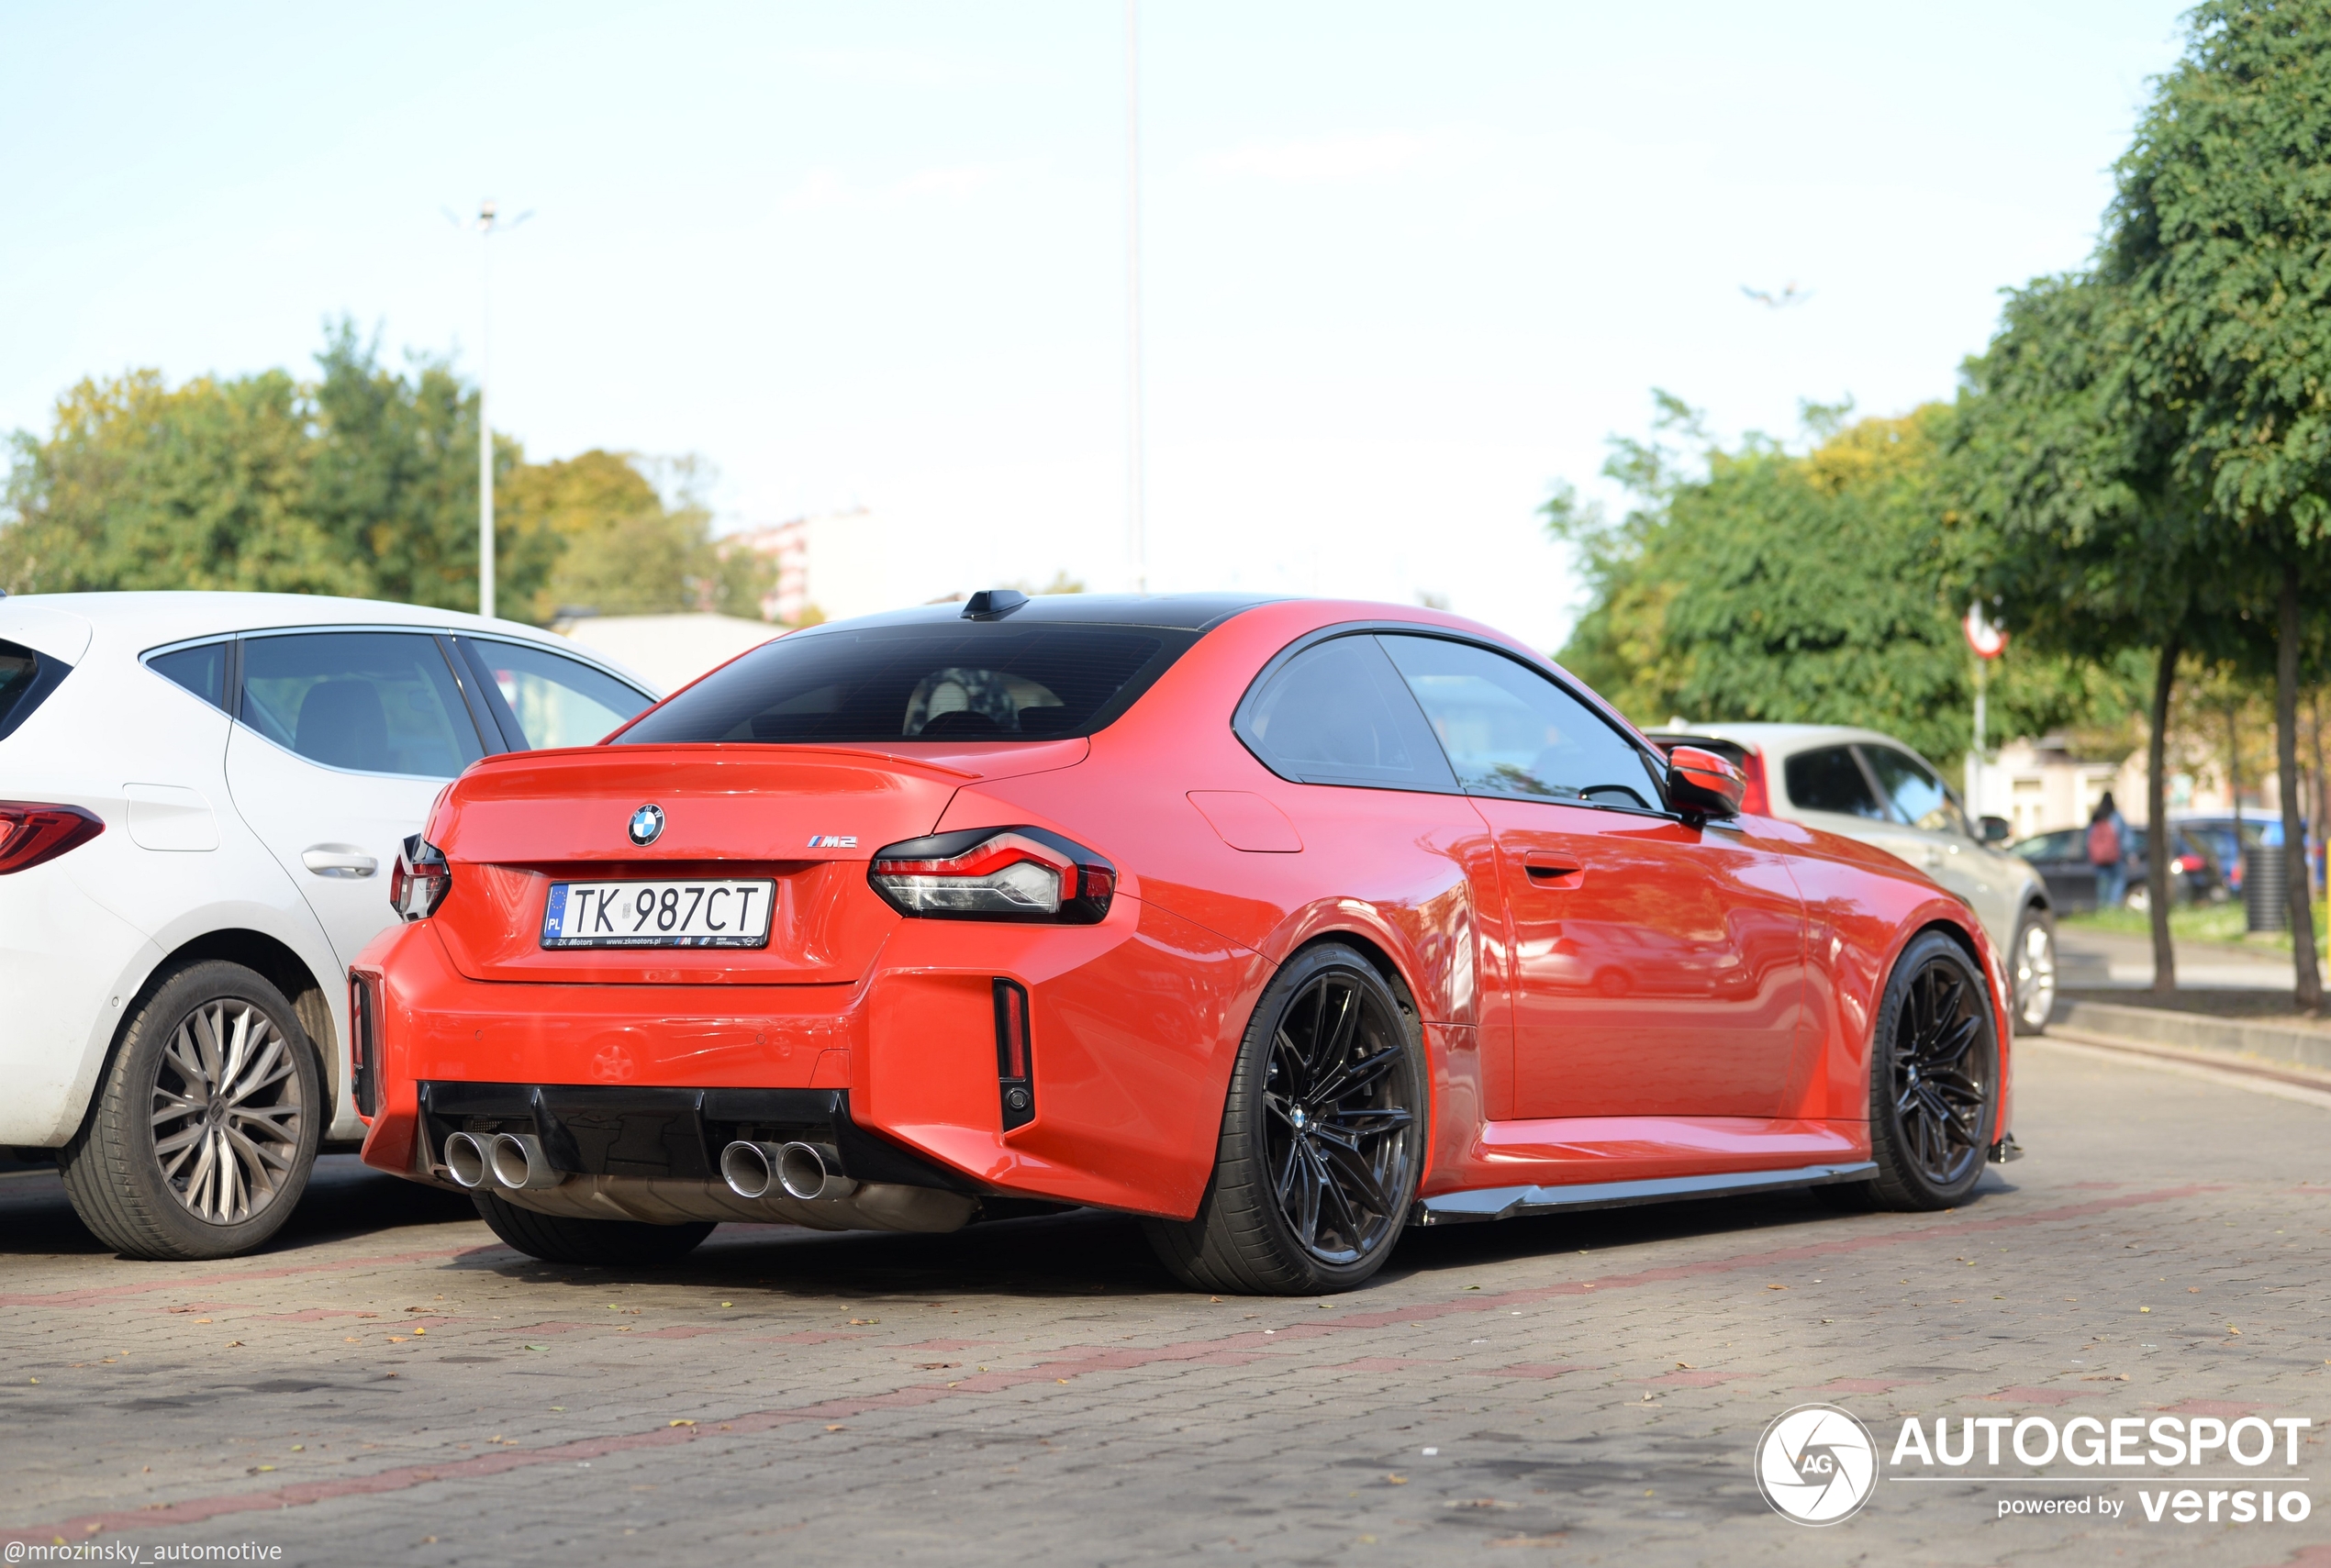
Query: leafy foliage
{"points": [[361, 482], [1759, 584]]}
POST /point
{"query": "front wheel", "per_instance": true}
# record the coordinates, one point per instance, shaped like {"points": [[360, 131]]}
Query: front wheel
{"points": [[1322, 1133], [2034, 959], [1933, 1080]]}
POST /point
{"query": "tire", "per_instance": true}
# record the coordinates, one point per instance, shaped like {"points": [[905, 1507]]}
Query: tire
{"points": [[1934, 1081], [560, 1238], [1323, 1139], [158, 1173], [2032, 969]]}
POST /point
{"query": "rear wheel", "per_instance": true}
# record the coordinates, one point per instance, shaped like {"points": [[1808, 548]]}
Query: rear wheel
{"points": [[560, 1238], [206, 1124], [1321, 1134], [2035, 970], [1933, 1080]]}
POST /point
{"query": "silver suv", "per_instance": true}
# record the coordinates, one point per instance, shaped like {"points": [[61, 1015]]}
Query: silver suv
{"points": [[1861, 784]]}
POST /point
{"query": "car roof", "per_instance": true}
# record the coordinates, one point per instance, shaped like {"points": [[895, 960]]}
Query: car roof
{"points": [[1785, 738], [145, 620], [1173, 612], [167, 615]]}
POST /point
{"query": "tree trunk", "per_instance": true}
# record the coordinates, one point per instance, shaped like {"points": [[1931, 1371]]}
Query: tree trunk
{"points": [[2309, 991], [2156, 819]]}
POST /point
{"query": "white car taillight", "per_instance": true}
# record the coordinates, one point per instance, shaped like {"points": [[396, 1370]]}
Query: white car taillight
{"points": [[30, 834], [995, 873], [421, 881]]}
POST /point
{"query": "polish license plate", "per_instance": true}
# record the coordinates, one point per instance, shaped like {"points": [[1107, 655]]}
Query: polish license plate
{"points": [[658, 915]]}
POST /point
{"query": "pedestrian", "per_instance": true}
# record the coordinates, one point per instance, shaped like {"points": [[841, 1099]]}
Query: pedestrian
{"points": [[2108, 844]]}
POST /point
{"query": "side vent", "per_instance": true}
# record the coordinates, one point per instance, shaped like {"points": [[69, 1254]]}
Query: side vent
{"points": [[1015, 1066], [363, 1042]]}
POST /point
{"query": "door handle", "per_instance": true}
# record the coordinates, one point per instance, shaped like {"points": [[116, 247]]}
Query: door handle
{"points": [[1551, 874], [337, 859]]}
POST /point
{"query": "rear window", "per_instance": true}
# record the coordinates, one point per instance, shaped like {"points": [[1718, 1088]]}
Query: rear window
{"points": [[1831, 780], [950, 682], [26, 680]]}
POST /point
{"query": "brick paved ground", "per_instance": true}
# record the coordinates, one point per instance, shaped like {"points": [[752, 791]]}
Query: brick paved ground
{"points": [[388, 1385]]}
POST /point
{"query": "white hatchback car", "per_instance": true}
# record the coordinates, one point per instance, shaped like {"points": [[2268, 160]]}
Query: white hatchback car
{"points": [[1862, 784], [205, 797]]}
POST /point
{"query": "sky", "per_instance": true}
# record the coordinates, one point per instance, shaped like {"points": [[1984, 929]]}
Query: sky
{"points": [[1404, 268]]}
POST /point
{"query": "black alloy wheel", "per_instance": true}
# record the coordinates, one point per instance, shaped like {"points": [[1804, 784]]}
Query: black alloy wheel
{"points": [[1321, 1134], [1934, 1078]]}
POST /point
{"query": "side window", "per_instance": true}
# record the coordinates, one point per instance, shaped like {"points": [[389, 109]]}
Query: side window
{"points": [[1509, 730], [1831, 780], [377, 702], [1918, 798], [27, 678], [1336, 713], [202, 671], [549, 699]]}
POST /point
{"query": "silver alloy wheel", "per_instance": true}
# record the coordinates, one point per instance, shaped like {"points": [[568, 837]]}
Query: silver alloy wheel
{"points": [[2036, 973], [228, 1134]]}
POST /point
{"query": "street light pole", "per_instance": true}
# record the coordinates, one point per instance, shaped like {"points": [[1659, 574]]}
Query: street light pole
{"points": [[1136, 540], [486, 223], [484, 419]]}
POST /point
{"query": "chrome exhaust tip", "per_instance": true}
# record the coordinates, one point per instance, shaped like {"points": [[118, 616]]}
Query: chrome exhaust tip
{"points": [[750, 1169], [812, 1171], [465, 1161], [518, 1162]]}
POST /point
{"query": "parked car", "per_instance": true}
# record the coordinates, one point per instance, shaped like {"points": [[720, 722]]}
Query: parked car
{"points": [[1870, 786], [2061, 858], [1284, 925], [2229, 842], [206, 794]]}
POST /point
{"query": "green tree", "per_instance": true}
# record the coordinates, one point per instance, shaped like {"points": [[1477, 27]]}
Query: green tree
{"points": [[1818, 587], [2220, 237], [141, 486], [617, 545], [2079, 524], [393, 477]]}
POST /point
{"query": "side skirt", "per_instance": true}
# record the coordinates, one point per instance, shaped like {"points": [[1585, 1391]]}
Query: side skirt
{"points": [[1505, 1203]]}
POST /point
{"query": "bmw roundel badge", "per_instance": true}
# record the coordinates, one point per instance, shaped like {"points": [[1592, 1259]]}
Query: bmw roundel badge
{"points": [[647, 824]]}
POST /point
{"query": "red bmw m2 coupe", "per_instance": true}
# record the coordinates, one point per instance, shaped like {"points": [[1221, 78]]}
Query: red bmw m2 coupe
{"points": [[1284, 925]]}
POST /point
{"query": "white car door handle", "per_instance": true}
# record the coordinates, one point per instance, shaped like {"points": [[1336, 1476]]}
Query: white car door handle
{"points": [[337, 859]]}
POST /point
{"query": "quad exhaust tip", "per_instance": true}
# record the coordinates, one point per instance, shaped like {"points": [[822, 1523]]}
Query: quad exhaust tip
{"points": [[518, 1164], [465, 1161], [801, 1170], [508, 1160]]}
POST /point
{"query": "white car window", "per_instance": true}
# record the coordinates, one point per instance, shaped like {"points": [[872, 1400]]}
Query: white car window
{"points": [[1830, 779], [376, 702], [1918, 798], [554, 700]]}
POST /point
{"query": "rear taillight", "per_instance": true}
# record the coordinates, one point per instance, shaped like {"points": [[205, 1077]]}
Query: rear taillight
{"points": [[995, 873], [1015, 1063], [363, 1041], [2188, 864], [30, 834], [421, 881]]}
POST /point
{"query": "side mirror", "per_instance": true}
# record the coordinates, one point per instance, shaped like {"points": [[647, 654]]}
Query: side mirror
{"points": [[1700, 783], [1994, 830]]}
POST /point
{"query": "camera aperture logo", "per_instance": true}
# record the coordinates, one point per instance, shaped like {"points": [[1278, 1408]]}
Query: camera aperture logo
{"points": [[1816, 1465]]}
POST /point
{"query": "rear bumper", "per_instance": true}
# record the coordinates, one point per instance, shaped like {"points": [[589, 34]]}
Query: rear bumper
{"points": [[1134, 1025]]}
